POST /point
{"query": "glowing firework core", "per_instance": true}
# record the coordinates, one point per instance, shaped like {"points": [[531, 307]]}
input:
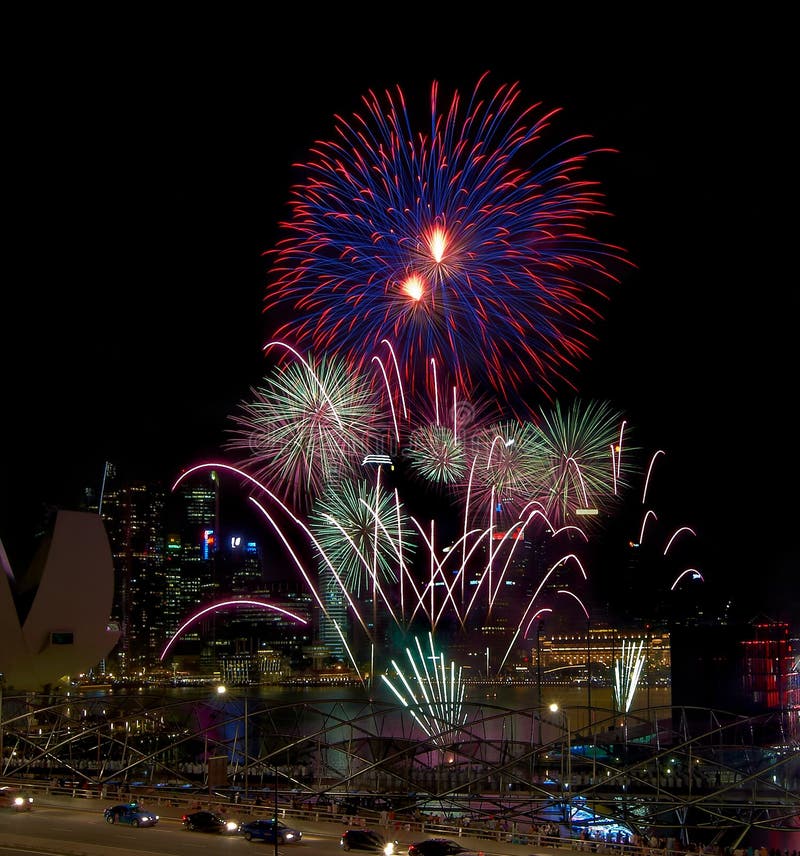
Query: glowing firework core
{"points": [[437, 244], [413, 287]]}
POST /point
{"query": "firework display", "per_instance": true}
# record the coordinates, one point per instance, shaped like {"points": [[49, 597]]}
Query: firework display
{"points": [[439, 709], [577, 445], [306, 424], [464, 240], [627, 671], [437, 454], [433, 289], [363, 531]]}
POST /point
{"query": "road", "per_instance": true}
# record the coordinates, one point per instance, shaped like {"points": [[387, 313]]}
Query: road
{"points": [[60, 826]]}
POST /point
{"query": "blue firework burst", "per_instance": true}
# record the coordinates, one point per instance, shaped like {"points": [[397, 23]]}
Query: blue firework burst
{"points": [[465, 242]]}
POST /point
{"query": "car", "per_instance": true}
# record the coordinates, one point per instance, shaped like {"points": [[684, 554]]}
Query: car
{"points": [[12, 797], [439, 847], [130, 814], [73, 782], [369, 840], [209, 821], [265, 829]]}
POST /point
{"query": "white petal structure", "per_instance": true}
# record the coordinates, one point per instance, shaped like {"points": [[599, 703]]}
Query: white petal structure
{"points": [[66, 630], [627, 671], [434, 695]]}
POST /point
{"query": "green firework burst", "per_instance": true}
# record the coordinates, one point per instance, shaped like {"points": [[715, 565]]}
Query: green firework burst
{"points": [[362, 530], [581, 449], [307, 424]]}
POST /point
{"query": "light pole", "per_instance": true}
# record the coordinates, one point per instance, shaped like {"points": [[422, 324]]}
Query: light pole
{"points": [[589, 671], [246, 747], [566, 779], [2, 763], [539, 674], [276, 808], [647, 664]]}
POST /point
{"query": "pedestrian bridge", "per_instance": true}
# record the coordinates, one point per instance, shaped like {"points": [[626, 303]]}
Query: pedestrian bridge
{"points": [[693, 773]]}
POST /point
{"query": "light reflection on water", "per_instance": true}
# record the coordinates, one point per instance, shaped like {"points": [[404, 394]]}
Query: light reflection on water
{"points": [[348, 702], [512, 696]]}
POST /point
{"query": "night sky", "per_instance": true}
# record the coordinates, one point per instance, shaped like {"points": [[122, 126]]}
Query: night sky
{"points": [[147, 179]]}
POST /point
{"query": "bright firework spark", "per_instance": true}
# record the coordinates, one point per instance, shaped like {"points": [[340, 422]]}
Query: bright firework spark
{"points": [[441, 435], [527, 621], [582, 472], [364, 532], [696, 575], [465, 243], [437, 704], [359, 556], [436, 454], [309, 422], [627, 671], [509, 469], [675, 535]]}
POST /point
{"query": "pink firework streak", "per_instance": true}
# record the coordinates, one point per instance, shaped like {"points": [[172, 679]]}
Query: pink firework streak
{"points": [[225, 604]]}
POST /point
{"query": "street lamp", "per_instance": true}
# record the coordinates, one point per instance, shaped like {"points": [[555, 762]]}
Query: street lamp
{"points": [[221, 690], [566, 781]]}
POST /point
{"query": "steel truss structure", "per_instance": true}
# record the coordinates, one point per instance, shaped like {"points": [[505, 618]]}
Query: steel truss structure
{"points": [[693, 773]]}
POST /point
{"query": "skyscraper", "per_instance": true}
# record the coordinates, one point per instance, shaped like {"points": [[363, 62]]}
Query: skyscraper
{"points": [[134, 519]]}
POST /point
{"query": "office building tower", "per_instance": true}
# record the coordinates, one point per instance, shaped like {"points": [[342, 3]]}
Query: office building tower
{"points": [[134, 520]]}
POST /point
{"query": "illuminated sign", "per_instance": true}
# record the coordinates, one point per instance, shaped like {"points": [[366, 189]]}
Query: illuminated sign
{"points": [[208, 542], [513, 535]]}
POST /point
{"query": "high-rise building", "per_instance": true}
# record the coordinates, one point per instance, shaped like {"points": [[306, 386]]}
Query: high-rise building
{"points": [[134, 520], [192, 567]]}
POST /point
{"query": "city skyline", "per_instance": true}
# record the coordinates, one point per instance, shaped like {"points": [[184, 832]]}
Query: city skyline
{"points": [[683, 349]]}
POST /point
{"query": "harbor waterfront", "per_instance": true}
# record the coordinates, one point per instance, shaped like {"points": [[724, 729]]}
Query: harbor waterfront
{"points": [[692, 773]]}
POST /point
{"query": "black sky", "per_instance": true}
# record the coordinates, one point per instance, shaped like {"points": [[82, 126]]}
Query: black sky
{"points": [[147, 176]]}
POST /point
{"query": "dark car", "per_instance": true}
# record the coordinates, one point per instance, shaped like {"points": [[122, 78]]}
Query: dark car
{"points": [[264, 829], [11, 797], [130, 814], [209, 821], [369, 840], [439, 847]]}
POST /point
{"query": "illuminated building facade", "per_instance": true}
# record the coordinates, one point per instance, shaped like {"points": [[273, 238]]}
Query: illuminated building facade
{"points": [[750, 667], [564, 658], [766, 665]]}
